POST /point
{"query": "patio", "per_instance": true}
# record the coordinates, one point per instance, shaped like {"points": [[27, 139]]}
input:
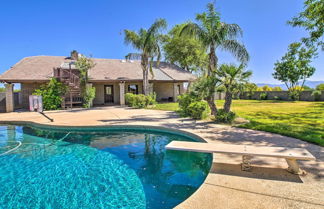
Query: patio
{"points": [[269, 185]]}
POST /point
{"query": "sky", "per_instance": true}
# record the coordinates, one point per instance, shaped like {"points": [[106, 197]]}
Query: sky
{"points": [[34, 27]]}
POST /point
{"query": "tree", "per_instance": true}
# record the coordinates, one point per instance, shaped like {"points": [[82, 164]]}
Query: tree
{"points": [[249, 88], [214, 34], [277, 88], [295, 68], [266, 88], [233, 79], [312, 19], [320, 87], [186, 52], [84, 64], [148, 43], [307, 88]]}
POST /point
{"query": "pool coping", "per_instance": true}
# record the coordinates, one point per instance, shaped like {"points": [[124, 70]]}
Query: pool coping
{"points": [[130, 127]]}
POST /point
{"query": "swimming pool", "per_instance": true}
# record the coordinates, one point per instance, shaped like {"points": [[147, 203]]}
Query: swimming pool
{"points": [[96, 168]]}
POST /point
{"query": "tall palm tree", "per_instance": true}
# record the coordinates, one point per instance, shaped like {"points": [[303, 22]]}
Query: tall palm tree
{"points": [[214, 35], [148, 44], [233, 80]]}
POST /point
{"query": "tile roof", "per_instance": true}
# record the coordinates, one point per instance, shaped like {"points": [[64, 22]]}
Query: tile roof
{"points": [[40, 68]]}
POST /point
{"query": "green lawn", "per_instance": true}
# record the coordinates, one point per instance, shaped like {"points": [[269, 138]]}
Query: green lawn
{"points": [[302, 120]]}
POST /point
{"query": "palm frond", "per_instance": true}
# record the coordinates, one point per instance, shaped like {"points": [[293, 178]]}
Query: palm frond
{"points": [[196, 31], [237, 49], [232, 31], [132, 56], [131, 37], [154, 30]]}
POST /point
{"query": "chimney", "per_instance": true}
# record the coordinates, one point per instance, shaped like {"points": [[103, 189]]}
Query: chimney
{"points": [[74, 55]]}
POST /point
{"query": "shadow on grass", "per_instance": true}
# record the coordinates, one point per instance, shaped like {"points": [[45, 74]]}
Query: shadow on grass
{"points": [[310, 134]]}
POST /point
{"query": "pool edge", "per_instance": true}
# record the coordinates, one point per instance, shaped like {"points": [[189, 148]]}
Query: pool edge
{"points": [[130, 127]]}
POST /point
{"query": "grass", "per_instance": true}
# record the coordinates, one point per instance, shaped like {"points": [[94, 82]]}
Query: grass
{"points": [[301, 120]]}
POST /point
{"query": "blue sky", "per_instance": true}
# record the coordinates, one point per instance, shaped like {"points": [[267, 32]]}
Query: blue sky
{"points": [[34, 27]]}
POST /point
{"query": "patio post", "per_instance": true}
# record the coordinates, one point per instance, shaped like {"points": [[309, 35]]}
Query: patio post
{"points": [[175, 93], [122, 93], [9, 97]]}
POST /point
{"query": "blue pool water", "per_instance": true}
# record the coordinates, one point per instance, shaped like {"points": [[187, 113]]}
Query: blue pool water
{"points": [[95, 168]]}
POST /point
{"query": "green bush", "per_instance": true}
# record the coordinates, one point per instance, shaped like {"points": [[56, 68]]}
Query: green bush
{"points": [[184, 101], [89, 95], [130, 99], [276, 98], [151, 99], [317, 95], [139, 100], [51, 93], [263, 96], [320, 87], [193, 106], [199, 110], [225, 117], [294, 95]]}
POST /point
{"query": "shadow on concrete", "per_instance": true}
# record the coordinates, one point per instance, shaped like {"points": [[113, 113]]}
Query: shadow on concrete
{"points": [[276, 174]]}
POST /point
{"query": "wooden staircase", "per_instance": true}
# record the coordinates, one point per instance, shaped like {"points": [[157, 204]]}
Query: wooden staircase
{"points": [[70, 77]]}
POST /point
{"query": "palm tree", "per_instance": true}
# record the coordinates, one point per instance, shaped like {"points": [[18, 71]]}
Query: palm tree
{"points": [[214, 35], [148, 43], [233, 80]]}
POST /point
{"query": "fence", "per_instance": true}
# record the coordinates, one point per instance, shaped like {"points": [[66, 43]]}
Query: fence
{"points": [[282, 95]]}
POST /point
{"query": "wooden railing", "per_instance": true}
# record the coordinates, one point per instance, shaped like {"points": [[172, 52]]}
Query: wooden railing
{"points": [[68, 77]]}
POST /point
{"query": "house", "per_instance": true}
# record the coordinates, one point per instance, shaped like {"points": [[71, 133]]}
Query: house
{"points": [[112, 78]]}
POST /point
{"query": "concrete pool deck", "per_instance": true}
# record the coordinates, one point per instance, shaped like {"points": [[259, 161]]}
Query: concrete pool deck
{"points": [[268, 185]]}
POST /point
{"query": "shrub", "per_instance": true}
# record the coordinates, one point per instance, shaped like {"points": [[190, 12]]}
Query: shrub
{"points": [[198, 110], [130, 99], [89, 95], [184, 101], [263, 96], [320, 87], [139, 100], [51, 93], [317, 95], [276, 98], [225, 117], [151, 99], [294, 95]]}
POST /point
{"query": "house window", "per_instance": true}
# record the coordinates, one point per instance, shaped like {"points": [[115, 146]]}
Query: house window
{"points": [[133, 89]]}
